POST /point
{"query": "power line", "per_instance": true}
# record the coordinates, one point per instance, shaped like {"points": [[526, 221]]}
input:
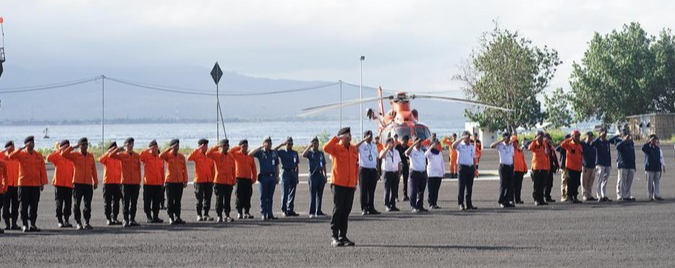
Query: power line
{"points": [[46, 87]]}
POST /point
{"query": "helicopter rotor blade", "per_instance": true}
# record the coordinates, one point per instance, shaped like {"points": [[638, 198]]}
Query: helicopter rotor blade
{"points": [[330, 106], [450, 99]]}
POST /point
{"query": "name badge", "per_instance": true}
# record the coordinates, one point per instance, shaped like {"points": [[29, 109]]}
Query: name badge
{"points": [[273, 162]]}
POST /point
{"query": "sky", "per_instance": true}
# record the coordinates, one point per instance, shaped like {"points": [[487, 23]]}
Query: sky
{"points": [[408, 45]]}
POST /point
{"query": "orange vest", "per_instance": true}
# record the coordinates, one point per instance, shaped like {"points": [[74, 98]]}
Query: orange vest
{"points": [[153, 168], [63, 170], [176, 169], [112, 169], [345, 163], [85, 167], [131, 167], [244, 165], [519, 164], [225, 166], [12, 169], [540, 160], [203, 167], [3, 177], [32, 169], [574, 155]]}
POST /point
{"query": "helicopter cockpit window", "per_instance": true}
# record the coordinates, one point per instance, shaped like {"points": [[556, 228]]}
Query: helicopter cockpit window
{"points": [[422, 132], [402, 131]]}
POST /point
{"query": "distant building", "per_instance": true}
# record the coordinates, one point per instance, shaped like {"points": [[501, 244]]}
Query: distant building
{"points": [[485, 136], [643, 125]]}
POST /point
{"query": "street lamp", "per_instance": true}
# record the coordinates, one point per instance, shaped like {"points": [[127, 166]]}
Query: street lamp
{"points": [[361, 95]]}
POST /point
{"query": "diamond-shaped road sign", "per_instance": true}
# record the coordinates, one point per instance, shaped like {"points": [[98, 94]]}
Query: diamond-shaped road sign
{"points": [[216, 73]]}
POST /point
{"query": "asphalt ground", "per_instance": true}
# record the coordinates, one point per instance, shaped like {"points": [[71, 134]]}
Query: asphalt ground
{"points": [[635, 234]]}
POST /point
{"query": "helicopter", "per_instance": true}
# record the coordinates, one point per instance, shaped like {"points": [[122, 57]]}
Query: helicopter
{"points": [[400, 120]]}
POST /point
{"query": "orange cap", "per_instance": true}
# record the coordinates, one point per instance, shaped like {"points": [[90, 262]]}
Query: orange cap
{"points": [[575, 132]]}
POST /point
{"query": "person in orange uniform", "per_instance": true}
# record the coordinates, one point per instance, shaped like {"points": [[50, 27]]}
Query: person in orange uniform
{"points": [[63, 184], [246, 174], [10, 201], [573, 165], [519, 168], [223, 183], [540, 167], [479, 150], [380, 147], [452, 154], [32, 179], [3, 183], [203, 180], [85, 180], [153, 182], [112, 185], [131, 180], [176, 180], [344, 176]]}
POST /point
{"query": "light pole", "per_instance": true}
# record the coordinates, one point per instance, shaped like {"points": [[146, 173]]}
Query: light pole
{"points": [[361, 95], [340, 103]]}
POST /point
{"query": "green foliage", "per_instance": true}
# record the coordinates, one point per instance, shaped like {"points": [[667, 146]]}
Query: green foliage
{"points": [[508, 71], [557, 109], [624, 73]]}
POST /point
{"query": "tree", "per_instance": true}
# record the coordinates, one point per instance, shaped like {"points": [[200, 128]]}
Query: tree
{"points": [[557, 109], [507, 71], [624, 73]]}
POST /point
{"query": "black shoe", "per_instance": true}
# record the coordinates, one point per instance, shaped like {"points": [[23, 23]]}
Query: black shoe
{"points": [[228, 219], [435, 207], [7, 227], [550, 200], [462, 207], [320, 213], [16, 227], [2, 231], [405, 198], [576, 201], [591, 199], [293, 214], [208, 218], [67, 225], [219, 219], [471, 207], [34, 228], [393, 208], [540, 203], [264, 217], [347, 242], [271, 217], [248, 216], [180, 221], [374, 212], [157, 220], [87, 226], [125, 224], [423, 210], [239, 216], [25, 229], [520, 202], [336, 243], [365, 212], [172, 221]]}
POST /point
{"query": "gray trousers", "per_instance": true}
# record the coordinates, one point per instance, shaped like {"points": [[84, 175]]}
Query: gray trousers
{"points": [[654, 183], [623, 182], [603, 178]]}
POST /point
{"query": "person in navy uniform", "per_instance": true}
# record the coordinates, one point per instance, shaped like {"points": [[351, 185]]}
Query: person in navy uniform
{"points": [[268, 178], [289, 176], [368, 173], [317, 177]]}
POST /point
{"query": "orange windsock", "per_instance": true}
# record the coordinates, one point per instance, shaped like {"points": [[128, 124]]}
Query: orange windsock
{"points": [[2, 20]]}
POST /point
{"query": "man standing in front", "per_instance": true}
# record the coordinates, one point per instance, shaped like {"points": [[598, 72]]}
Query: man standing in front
{"points": [[367, 173], [391, 166], [435, 172], [203, 180], [246, 175], [153, 182], [176, 180], [573, 166], [343, 183], [506, 170], [603, 164], [112, 184], [466, 155], [626, 163], [10, 201], [554, 167], [85, 180], [268, 178], [540, 167], [131, 180], [317, 177], [289, 177], [418, 176], [223, 182], [405, 165], [63, 184], [32, 180], [653, 167], [588, 167]]}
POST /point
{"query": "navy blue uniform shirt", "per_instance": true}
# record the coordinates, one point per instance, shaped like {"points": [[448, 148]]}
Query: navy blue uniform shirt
{"points": [[268, 161], [317, 161], [603, 155], [589, 155], [626, 152], [289, 159], [652, 157]]}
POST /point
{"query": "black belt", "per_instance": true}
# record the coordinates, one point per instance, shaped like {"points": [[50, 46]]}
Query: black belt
{"points": [[266, 174], [289, 169], [505, 165], [415, 171], [367, 168], [467, 166]]}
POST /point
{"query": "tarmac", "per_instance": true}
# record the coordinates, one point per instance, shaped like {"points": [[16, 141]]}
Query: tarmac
{"points": [[592, 234]]}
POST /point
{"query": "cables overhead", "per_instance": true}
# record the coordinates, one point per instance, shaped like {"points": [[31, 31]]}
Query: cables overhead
{"points": [[48, 86]]}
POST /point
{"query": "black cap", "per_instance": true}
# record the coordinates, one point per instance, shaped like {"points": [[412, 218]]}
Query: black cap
{"points": [[315, 139], [602, 129], [9, 143], [202, 141], [64, 142], [224, 142], [83, 140], [152, 143], [268, 139], [367, 132], [540, 132], [344, 130], [405, 137], [390, 139], [466, 133], [174, 142], [112, 144], [547, 135], [289, 140], [506, 134], [626, 132], [653, 136], [29, 139], [567, 136], [129, 140], [242, 142], [590, 134]]}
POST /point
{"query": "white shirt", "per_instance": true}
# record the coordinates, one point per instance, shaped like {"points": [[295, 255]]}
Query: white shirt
{"points": [[505, 153], [417, 160], [663, 162], [466, 154], [367, 155], [435, 168], [391, 160]]}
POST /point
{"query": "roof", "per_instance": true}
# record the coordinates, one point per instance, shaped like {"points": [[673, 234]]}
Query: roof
{"points": [[652, 114]]}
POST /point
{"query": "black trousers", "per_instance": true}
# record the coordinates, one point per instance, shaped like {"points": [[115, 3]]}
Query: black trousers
{"points": [[10, 205], [82, 192], [517, 186], [466, 176], [573, 182], [29, 197], [174, 195], [223, 196], [130, 201], [343, 199], [112, 194], [418, 184], [391, 180], [539, 178], [152, 197], [434, 186], [506, 175], [367, 183], [203, 193], [405, 173], [64, 200], [243, 194], [549, 185]]}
